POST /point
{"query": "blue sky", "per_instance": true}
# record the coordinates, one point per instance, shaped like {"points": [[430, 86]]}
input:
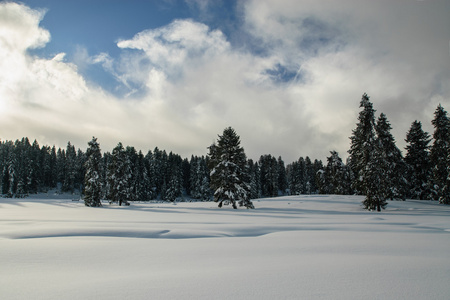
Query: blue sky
{"points": [[96, 26], [288, 75]]}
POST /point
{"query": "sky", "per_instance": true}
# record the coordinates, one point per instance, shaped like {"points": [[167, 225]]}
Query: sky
{"points": [[287, 75]]}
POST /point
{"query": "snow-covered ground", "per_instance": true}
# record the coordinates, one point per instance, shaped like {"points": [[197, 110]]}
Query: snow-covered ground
{"points": [[298, 247]]}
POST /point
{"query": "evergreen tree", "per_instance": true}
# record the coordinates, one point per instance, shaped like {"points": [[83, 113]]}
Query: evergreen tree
{"points": [[255, 179], [366, 158], [142, 180], [282, 176], [228, 165], [80, 169], [12, 174], [118, 176], [93, 177], [70, 169], [335, 175], [440, 150], [395, 168], [269, 175], [318, 171], [417, 159]]}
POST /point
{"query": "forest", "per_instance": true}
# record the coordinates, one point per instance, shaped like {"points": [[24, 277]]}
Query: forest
{"points": [[375, 168]]}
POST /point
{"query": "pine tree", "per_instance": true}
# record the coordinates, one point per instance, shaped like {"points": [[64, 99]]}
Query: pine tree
{"points": [[282, 177], [93, 178], [12, 174], [335, 175], [366, 158], [228, 165], [417, 159], [440, 150], [118, 176], [269, 175], [70, 169], [395, 168]]}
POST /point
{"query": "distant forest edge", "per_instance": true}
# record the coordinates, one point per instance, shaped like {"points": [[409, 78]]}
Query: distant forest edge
{"points": [[375, 168]]}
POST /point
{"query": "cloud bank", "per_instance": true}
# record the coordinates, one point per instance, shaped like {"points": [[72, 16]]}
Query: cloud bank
{"points": [[290, 86]]}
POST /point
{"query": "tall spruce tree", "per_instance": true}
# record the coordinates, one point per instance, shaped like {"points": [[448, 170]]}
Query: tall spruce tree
{"points": [[417, 160], [228, 165], [394, 178], [366, 158], [440, 150], [93, 177], [118, 176]]}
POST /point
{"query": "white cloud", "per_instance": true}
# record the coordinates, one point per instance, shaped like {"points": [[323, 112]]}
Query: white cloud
{"points": [[187, 82]]}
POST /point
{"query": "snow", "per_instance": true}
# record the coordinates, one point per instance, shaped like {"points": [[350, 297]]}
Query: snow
{"points": [[297, 247]]}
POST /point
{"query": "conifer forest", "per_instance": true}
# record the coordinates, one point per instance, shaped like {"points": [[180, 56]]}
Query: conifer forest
{"points": [[375, 168]]}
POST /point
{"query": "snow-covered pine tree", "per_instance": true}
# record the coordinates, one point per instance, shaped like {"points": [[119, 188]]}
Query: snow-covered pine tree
{"points": [[417, 160], [362, 142], [118, 176], [374, 177], [228, 165], [70, 169], [199, 179], [395, 168], [335, 175], [269, 175], [310, 178], [142, 180], [12, 174], [366, 158], [440, 150], [80, 170], [93, 178], [282, 177]]}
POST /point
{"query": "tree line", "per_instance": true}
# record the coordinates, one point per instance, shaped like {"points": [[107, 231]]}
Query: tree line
{"points": [[375, 168]]}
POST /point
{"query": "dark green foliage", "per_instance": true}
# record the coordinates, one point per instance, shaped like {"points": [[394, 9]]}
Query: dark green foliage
{"points": [[302, 178], [229, 171], [268, 166], [367, 159], [282, 176], [439, 155], [93, 180], [336, 177], [199, 179], [118, 176], [394, 168], [418, 163]]}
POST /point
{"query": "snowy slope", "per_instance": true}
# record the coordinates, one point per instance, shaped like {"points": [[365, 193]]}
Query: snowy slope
{"points": [[299, 247]]}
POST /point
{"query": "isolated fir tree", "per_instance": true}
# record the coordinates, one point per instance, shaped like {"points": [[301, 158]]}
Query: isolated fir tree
{"points": [[440, 150], [228, 165], [395, 167], [417, 160], [93, 177]]}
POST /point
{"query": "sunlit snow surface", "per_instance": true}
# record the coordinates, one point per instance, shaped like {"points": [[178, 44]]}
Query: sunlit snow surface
{"points": [[299, 247]]}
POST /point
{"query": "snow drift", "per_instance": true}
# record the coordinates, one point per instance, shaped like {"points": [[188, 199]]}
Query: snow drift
{"points": [[298, 247]]}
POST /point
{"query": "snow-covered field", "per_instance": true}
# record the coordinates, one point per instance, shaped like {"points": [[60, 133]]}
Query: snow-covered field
{"points": [[299, 247]]}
